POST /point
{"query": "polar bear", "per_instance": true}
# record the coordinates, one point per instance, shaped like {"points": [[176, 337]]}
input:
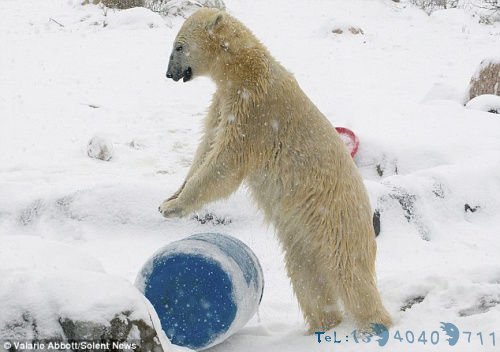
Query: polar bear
{"points": [[263, 130]]}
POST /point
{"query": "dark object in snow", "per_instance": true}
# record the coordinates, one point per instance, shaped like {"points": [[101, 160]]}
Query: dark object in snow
{"points": [[100, 148], [31, 213], [376, 222], [438, 190], [379, 169], [350, 139], [386, 167], [204, 288], [410, 302], [484, 304], [351, 29], [407, 202], [470, 209], [211, 218]]}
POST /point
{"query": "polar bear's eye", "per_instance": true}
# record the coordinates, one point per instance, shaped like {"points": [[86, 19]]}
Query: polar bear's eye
{"points": [[179, 48]]}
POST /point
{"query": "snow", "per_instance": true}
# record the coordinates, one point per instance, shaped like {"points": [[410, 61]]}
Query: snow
{"points": [[70, 72], [34, 253], [134, 18], [443, 91], [275, 124]]}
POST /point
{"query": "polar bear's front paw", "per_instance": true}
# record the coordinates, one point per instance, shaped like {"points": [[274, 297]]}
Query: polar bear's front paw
{"points": [[171, 208]]}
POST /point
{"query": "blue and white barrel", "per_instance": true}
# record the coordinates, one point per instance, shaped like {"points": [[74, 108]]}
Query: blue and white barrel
{"points": [[204, 288]]}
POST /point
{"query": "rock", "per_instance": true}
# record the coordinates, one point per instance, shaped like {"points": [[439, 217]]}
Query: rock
{"points": [[100, 148], [486, 80], [121, 329], [118, 4]]}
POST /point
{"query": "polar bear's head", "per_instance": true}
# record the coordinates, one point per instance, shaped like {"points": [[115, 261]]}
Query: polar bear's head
{"points": [[208, 44], [193, 49]]}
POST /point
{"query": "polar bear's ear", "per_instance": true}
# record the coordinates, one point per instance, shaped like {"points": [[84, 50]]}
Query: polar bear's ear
{"points": [[215, 21]]}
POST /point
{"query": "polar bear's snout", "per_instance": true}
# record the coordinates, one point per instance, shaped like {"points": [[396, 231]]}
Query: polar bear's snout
{"points": [[177, 70], [177, 74]]}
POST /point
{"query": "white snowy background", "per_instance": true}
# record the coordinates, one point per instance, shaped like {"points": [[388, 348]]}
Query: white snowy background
{"points": [[65, 78]]}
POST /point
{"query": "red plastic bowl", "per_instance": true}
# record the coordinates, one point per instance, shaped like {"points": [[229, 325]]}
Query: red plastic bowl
{"points": [[350, 139]]}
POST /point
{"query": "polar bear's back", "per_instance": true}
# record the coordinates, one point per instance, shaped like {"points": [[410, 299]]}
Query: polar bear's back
{"points": [[302, 170]]}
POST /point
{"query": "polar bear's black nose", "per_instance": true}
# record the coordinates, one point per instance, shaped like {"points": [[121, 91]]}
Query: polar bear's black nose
{"points": [[169, 75]]}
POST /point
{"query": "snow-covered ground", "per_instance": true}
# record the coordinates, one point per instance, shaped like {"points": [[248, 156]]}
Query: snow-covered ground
{"points": [[431, 165]]}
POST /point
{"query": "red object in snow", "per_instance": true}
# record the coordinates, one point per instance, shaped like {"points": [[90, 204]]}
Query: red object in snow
{"points": [[349, 138]]}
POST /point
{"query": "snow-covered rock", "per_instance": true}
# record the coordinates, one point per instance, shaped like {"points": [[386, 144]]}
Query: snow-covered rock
{"points": [[51, 292], [74, 305], [452, 17], [100, 148], [182, 8], [485, 102], [137, 17], [443, 91]]}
